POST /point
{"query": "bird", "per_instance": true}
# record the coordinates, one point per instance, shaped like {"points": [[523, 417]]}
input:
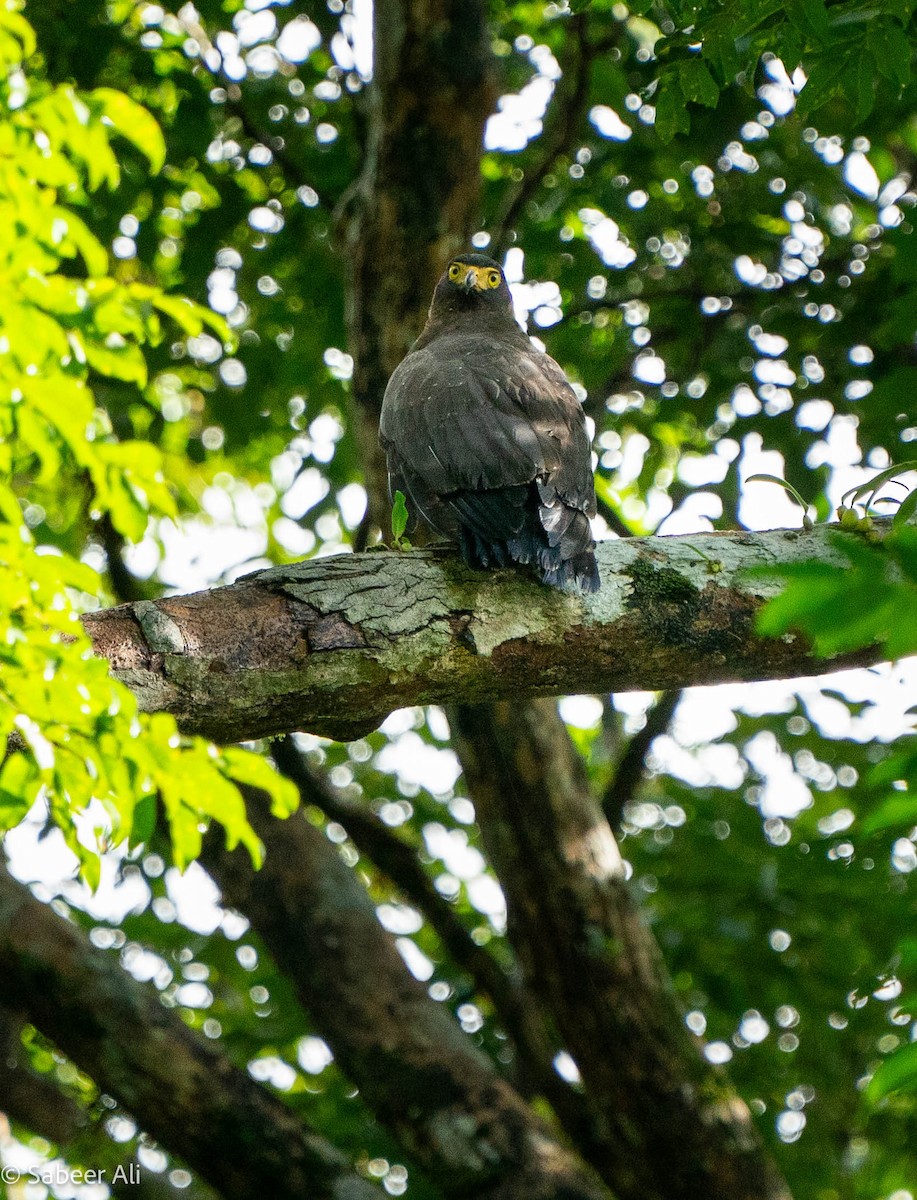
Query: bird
{"points": [[486, 438]]}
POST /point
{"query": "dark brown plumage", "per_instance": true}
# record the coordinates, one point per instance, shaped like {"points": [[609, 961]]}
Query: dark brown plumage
{"points": [[486, 438]]}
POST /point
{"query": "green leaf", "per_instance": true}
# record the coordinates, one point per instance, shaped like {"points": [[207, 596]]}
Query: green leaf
{"points": [[803, 605], [81, 240], [720, 50], [765, 478], [791, 48], [399, 517], [830, 75], [123, 361], [672, 115], [865, 88], [901, 10], [9, 506], [843, 608], [875, 481], [242, 766], [18, 38], [889, 46], [133, 122], [697, 83], [128, 514], [144, 820], [191, 317], [901, 543], [896, 1073], [899, 809], [19, 785], [66, 405], [907, 951], [810, 17], [906, 509]]}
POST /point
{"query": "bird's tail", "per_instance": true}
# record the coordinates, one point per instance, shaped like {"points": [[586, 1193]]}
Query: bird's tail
{"points": [[570, 554], [505, 525], [581, 570]]}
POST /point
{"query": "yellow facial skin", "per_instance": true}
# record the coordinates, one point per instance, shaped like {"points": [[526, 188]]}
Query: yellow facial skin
{"points": [[482, 279]]}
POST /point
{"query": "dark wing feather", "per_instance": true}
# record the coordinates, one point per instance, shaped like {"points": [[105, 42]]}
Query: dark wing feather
{"points": [[490, 441], [495, 513]]}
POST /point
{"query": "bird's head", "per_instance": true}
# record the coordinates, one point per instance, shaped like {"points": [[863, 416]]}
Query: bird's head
{"points": [[472, 282]]}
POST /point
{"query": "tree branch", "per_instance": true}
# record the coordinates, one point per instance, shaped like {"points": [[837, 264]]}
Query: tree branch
{"points": [[613, 518], [229, 1129], [333, 645], [676, 1130], [31, 1099], [125, 586], [41, 1107], [422, 1076], [629, 770], [37, 1103], [516, 1008], [567, 108]]}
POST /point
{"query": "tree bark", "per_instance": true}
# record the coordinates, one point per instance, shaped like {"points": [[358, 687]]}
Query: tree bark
{"points": [[676, 1129], [422, 1076], [417, 200], [333, 645], [228, 1128]]}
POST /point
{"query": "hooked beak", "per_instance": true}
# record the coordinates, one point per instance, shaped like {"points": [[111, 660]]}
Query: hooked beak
{"points": [[470, 280]]}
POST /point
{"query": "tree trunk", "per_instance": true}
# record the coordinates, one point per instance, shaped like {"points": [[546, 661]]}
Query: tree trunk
{"points": [[676, 1129], [417, 201]]}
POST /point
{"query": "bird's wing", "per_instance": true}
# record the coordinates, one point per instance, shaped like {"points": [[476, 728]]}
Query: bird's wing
{"points": [[468, 415]]}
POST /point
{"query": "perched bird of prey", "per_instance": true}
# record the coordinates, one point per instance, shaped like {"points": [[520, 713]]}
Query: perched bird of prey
{"points": [[485, 436]]}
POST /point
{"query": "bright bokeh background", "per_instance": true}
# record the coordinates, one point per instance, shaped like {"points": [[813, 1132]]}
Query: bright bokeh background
{"points": [[725, 305]]}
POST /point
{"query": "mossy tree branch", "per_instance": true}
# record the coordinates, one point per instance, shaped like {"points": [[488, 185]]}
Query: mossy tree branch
{"points": [[333, 645]]}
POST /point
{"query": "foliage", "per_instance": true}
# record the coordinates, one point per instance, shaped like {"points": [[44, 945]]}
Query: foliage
{"points": [[869, 600], [67, 325], [720, 257], [853, 53], [882, 577]]}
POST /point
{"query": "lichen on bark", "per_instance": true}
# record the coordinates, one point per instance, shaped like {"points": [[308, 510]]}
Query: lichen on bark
{"points": [[332, 645]]}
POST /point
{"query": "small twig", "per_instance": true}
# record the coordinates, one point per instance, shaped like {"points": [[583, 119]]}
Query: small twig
{"points": [[612, 519], [629, 772], [564, 115], [125, 586], [274, 142], [363, 532]]}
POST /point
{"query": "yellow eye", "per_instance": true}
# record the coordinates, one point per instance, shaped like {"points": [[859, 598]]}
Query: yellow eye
{"points": [[493, 279], [455, 271]]}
